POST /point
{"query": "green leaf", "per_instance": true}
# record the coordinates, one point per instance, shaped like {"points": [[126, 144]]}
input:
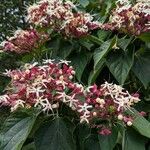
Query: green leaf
{"points": [[94, 73], [120, 64], [133, 141], [30, 146], [65, 50], [84, 3], [123, 42], [140, 123], [108, 142], [16, 130], [55, 135], [102, 34], [145, 37], [141, 67], [92, 143], [82, 132], [79, 62], [95, 39], [102, 51]]}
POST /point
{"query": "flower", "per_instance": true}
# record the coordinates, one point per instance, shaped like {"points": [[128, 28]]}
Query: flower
{"points": [[130, 18], [61, 16], [24, 41]]}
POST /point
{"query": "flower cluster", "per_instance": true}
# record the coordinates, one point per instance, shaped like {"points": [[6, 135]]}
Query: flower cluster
{"points": [[134, 19], [61, 17], [23, 41], [50, 84], [41, 86], [109, 103]]}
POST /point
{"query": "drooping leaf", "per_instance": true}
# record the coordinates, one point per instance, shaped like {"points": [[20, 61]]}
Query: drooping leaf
{"points": [[108, 142], [133, 141], [120, 64], [102, 51], [55, 135], [79, 62], [141, 67], [16, 130]]}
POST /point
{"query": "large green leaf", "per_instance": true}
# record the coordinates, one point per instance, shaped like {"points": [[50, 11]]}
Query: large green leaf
{"points": [[133, 141], [140, 123], [124, 42], [102, 51], [145, 37], [79, 62], [82, 132], [55, 135], [120, 64], [92, 143], [108, 142], [94, 73], [16, 130], [141, 66]]}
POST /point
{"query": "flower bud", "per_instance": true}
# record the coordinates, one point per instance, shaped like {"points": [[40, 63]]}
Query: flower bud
{"points": [[120, 117], [129, 123], [94, 114]]}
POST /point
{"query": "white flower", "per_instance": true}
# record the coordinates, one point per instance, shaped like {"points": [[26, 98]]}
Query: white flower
{"points": [[4, 98], [72, 101], [84, 118], [7, 72], [84, 108], [64, 62], [123, 102], [36, 91], [48, 61], [62, 96], [30, 66], [18, 103]]}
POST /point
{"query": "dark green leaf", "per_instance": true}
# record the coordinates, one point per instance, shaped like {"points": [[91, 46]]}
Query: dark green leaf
{"points": [[141, 66], [140, 124], [79, 62], [145, 37], [94, 73], [133, 141], [82, 133], [102, 51], [123, 42], [15, 131], [55, 135], [120, 64], [92, 143]]}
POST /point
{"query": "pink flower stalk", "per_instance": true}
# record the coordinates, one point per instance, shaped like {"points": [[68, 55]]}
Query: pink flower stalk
{"points": [[61, 17], [24, 41], [129, 18]]}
